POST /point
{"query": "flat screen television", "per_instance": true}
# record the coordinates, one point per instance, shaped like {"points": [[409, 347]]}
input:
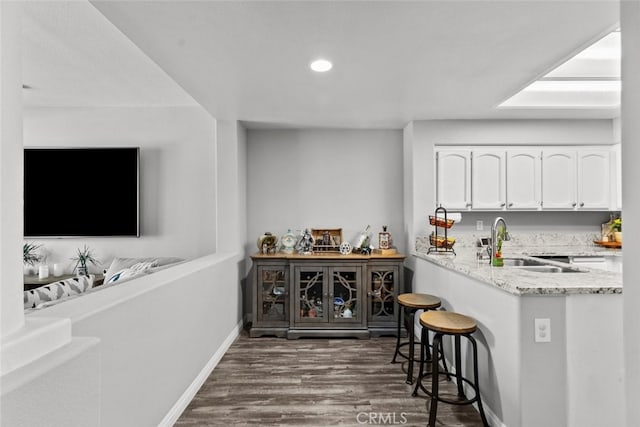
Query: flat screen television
{"points": [[81, 192]]}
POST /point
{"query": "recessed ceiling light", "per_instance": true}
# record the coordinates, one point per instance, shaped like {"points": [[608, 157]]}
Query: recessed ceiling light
{"points": [[321, 65]]}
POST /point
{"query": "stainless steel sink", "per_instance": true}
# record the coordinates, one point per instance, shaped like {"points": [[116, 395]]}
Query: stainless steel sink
{"points": [[521, 262], [538, 266], [550, 269]]}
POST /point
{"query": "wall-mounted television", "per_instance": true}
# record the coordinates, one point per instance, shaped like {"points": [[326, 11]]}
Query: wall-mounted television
{"points": [[81, 192]]}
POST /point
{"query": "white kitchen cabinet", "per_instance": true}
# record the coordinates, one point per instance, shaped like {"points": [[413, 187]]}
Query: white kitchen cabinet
{"points": [[488, 173], [453, 178], [527, 178], [524, 184], [577, 179], [594, 179], [559, 179]]}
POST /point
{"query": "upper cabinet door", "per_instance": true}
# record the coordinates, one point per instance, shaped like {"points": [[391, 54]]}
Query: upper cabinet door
{"points": [[559, 179], [488, 179], [524, 187], [453, 169], [594, 179]]}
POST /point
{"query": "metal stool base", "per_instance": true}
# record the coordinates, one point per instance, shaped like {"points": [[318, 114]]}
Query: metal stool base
{"points": [[436, 374]]}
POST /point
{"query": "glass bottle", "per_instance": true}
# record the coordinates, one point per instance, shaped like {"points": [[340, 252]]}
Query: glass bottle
{"points": [[363, 238], [384, 238]]}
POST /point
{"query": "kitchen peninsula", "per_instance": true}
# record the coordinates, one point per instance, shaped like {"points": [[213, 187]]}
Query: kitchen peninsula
{"points": [[532, 376]]}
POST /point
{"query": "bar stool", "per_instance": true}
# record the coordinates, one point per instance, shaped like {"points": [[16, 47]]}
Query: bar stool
{"points": [[456, 325], [408, 304]]}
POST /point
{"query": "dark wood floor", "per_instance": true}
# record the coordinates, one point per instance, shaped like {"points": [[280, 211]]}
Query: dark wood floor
{"points": [[314, 382]]}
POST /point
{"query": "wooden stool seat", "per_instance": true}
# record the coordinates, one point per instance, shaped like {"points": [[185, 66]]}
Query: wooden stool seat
{"points": [[448, 322], [419, 301], [408, 305]]}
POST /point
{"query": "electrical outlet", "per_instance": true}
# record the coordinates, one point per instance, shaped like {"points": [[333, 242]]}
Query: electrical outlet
{"points": [[479, 225], [542, 330]]}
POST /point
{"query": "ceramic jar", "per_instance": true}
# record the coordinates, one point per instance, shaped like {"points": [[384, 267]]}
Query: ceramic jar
{"points": [[267, 243]]}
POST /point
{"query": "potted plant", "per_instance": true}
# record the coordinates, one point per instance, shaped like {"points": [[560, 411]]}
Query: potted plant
{"points": [[30, 256], [82, 258], [616, 226], [497, 259]]}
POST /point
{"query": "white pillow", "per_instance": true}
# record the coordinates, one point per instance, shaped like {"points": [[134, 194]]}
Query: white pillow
{"points": [[57, 290], [134, 271], [119, 264]]}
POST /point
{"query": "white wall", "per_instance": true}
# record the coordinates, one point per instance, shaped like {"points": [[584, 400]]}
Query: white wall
{"points": [[325, 179], [11, 317], [60, 389], [407, 182], [178, 175], [232, 185], [595, 338], [630, 26], [428, 133]]}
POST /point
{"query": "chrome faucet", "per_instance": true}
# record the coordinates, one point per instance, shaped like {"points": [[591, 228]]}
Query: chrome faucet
{"points": [[494, 236]]}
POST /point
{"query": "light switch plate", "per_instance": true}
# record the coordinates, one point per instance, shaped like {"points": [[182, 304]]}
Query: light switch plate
{"points": [[542, 330]]}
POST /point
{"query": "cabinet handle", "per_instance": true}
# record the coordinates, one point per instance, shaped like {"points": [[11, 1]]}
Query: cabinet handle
{"points": [[468, 205], [581, 204], [324, 295], [510, 204], [502, 205], [369, 293], [574, 204]]}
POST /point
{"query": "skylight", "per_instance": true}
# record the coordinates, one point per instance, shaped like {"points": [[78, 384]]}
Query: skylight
{"points": [[590, 79]]}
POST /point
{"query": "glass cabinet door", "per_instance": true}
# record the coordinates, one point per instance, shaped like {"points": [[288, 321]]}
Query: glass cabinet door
{"points": [[311, 295], [382, 282], [345, 295], [273, 295]]}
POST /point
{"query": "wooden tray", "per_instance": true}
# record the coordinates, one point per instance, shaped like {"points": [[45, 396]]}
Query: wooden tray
{"points": [[616, 245]]}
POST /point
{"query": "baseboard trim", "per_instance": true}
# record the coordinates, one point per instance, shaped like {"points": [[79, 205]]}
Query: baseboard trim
{"points": [[178, 408]]}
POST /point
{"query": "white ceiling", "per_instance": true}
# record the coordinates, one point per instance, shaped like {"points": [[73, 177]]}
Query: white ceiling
{"points": [[394, 61], [73, 56]]}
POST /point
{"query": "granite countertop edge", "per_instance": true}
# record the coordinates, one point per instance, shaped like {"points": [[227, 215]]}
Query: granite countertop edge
{"points": [[519, 282]]}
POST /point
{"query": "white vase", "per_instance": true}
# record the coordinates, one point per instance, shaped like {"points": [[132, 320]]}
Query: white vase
{"points": [[58, 269], [43, 271]]}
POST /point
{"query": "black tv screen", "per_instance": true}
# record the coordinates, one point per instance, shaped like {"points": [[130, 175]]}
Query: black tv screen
{"points": [[81, 192]]}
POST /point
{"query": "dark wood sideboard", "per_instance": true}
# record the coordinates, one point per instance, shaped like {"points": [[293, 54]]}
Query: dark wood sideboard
{"points": [[325, 294]]}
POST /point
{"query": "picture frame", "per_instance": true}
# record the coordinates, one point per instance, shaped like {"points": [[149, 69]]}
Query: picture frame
{"points": [[327, 239]]}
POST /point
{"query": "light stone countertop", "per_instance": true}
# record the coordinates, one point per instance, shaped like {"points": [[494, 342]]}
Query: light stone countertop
{"points": [[523, 282]]}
